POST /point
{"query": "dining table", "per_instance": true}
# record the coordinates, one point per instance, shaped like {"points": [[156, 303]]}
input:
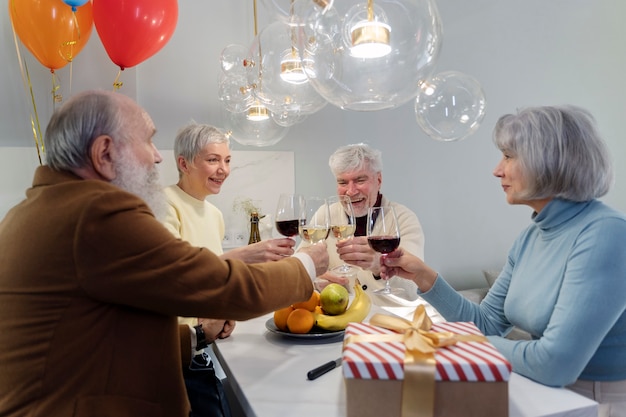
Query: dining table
{"points": [[266, 374]]}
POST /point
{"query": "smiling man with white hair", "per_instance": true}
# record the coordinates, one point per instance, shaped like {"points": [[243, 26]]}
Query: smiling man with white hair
{"points": [[358, 171]]}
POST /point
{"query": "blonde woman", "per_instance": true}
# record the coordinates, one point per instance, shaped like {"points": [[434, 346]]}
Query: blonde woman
{"points": [[203, 157]]}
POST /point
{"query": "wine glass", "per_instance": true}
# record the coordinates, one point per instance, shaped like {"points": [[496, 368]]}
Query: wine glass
{"points": [[314, 220], [383, 235], [288, 214], [342, 224]]}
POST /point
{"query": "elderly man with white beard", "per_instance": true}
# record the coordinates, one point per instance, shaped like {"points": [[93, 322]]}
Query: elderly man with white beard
{"points": [[91, 283]]}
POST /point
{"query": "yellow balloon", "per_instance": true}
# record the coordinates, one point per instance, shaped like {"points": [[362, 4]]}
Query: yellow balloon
{"points": [[50, 30]]}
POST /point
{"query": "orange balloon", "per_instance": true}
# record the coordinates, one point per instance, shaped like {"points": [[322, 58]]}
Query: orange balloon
{"points": [[50, 30]]}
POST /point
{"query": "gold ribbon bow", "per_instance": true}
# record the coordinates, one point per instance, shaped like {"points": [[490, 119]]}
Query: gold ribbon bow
{"points": [[418, 388]]}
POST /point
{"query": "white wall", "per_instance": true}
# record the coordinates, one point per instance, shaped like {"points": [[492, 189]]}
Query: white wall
{"points": [[524, 52]]}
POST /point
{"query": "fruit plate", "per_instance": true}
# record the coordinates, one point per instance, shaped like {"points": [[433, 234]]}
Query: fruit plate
{"points": [[316, 333]]}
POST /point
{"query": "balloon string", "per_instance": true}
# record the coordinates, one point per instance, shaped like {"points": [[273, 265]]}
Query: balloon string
{"points": [[34, 121], [34, 117], [69, 45], [71, 76], [75, 18], [57, 97], [117, 84]]}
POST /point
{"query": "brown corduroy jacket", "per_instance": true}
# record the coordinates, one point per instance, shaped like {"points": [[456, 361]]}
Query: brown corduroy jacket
{"points": [[90, 288]]}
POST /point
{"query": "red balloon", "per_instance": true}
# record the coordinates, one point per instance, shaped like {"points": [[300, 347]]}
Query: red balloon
{"points": [[134, 30], [50, 30]]}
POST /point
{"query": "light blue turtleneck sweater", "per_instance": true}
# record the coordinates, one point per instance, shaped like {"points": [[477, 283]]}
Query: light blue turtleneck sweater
{"points": [[565, 283]]}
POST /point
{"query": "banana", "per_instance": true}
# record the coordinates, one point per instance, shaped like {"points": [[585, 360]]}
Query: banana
{"points": [[356, 312]]}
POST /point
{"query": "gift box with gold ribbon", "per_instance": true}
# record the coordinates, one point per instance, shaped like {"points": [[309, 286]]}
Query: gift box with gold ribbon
{"points": [[393, 367]]}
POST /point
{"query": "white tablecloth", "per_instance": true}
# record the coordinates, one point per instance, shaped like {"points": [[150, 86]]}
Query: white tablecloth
{"points": [[267, 374]]}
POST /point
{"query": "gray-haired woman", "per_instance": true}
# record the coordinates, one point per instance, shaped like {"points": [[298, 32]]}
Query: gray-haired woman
{"points": [[565, 276]]}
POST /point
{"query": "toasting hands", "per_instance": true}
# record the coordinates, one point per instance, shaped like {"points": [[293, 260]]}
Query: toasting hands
{"points": [[403, 264], [319, 255], [356, 251]]}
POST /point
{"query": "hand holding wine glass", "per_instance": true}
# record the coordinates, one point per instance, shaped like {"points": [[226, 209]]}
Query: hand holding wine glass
{"points": [[342, 224], [314, 220], [383, 235]]}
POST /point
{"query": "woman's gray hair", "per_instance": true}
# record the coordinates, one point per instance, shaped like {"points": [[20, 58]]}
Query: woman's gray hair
{"points": [[191, 139], [74, 126], [355, 157], [560, 151]]}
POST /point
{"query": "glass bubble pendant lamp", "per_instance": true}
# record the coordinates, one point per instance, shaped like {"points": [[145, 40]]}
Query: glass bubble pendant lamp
{"points": [[253, 125], [450, 106], [281, 74], [370, 55], [291, 70], [294, 68], [257, 112], [370, 38]]}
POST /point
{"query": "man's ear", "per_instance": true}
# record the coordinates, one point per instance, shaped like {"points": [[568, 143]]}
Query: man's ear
{"points": [[101, 152]]}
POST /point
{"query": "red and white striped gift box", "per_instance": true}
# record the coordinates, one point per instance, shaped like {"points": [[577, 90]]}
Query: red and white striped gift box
{"points": [[464, 361]]}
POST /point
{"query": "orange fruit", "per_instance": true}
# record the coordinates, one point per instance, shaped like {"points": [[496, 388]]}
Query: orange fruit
{"points": [[311, 303], [300, 321], [280, 318]]}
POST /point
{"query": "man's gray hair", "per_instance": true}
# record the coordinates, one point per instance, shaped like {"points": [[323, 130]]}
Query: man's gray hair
{"points": [[355, 157], [81, 119]]}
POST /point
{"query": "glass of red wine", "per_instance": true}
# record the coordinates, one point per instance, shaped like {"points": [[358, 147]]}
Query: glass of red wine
{"points": [[288, 214], [383, 235]]}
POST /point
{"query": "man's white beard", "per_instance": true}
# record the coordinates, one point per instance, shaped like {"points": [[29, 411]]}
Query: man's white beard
{"points": [[141, 181]]}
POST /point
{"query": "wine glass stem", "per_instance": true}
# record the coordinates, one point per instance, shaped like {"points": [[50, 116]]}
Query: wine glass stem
{"points": [[387, 283]]}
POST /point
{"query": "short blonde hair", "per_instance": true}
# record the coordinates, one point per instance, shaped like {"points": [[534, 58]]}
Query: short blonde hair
{"points": [[192, 138]]}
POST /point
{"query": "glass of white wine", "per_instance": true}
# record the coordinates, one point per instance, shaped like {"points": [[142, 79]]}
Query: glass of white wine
{"points": [[314, 219], [342, 224]]}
